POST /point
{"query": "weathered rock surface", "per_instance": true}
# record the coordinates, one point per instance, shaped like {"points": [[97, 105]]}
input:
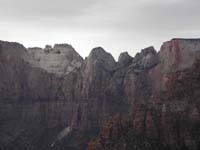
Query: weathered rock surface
{"points": [[61, 59], [148, 58], [44, 102], [125, 59], [165, 104], [53, 99]]}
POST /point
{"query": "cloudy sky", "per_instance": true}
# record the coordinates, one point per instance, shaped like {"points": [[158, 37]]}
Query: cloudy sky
{"points": [[116, 25]]}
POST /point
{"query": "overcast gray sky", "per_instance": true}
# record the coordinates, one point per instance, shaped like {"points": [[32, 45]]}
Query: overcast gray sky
{"points": [[116, 25]]}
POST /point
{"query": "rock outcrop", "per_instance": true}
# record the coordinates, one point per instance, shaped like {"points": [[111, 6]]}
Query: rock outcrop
{"points": [[53, 99], [165, 104], [61, 59], [44, 92], [146, 59], [125, 59]]}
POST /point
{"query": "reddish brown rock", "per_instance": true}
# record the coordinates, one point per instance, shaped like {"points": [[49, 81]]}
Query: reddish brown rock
{"points": [[42, 110], [44, 104], [165, 104]]}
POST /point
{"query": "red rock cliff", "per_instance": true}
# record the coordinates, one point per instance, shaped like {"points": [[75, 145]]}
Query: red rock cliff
{"points": [[165, 109]]}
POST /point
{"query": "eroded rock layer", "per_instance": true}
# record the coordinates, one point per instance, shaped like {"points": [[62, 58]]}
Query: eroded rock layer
{"points": [[53, 99], [165, 104]]}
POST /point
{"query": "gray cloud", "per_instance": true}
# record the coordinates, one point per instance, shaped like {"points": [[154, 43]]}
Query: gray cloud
{"points": [[117, 25]]}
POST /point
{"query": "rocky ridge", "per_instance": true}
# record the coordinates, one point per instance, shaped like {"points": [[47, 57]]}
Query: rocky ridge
{"points": [[53, 99], [60, 60], [165, 104]]}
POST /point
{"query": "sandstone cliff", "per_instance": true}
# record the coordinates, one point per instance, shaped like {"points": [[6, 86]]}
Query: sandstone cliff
{"points": [[53, 99], [165, 104], [46, 92]]}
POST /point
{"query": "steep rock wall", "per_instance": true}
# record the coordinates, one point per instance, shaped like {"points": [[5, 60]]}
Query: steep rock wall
{"points": [[165, 104]]}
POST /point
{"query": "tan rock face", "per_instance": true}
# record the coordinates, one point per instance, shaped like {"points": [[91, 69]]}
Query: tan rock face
{"points": [[179, 54], [61, 59], [175, 55]]}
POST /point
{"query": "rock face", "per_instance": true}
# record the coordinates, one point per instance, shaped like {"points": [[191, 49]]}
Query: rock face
{"points": [[148, 58], [125, 59], [165, 104], [44, 92], [53, 99], [61, 59]]}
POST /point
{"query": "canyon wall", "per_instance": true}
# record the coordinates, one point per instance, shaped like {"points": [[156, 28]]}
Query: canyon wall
{"points": [[165, 104], [44, 92], [52, 98]]}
